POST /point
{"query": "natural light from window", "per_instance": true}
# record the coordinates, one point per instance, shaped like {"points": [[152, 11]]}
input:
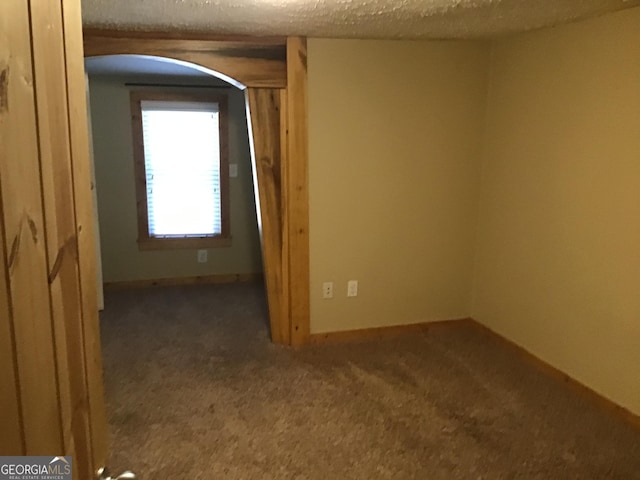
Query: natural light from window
{"points": [[182, 164]]}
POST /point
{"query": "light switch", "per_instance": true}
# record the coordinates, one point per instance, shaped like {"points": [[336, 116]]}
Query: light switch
{"points": [[233, 170]]}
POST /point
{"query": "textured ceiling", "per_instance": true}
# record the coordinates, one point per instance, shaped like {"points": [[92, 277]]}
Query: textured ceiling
{"points": [[345, 18]]}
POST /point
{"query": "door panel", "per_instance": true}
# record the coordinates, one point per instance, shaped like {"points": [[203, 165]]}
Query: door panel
{"points": [[57, 188], [11, 440], [51, 360], [24, 245], [85, 227], [94, 198]]}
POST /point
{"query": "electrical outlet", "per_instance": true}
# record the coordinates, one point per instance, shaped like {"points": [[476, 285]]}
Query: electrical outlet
{"points": [[352, 288], [202, 256], [327, 290]]}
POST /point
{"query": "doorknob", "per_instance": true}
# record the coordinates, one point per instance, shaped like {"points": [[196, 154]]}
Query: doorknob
{"points": [[103, 474]]}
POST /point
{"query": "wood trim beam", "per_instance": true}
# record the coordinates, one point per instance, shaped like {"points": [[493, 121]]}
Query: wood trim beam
{"points": [[85, 229], [184, 35], [263, 117], [297, 189], [258, 63], [284, 212], [60, 229]]}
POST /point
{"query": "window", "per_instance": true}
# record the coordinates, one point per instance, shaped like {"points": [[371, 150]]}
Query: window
{"points": [[182, 170]]}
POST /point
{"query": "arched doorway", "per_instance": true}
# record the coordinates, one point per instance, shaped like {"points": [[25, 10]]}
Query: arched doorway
{"points": [[272, 72]]}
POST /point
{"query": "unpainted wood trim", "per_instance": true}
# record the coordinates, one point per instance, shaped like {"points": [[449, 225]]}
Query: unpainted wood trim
{"points": [[11, 424], [145, 241], [11, 421], [60, 230], [218, 279], [379, 333], [263, 116], [139, 170], [241, 61], [297, 190], [274, 40], [285, 302], [225, 187], [23, 225], [85, 230], [550, 371]]}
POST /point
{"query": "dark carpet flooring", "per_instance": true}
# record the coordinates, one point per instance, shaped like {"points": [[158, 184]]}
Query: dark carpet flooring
{"points": [[196, 391]]}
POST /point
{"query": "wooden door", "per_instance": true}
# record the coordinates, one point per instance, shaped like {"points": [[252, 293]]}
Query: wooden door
{"points": [[50, 361]]}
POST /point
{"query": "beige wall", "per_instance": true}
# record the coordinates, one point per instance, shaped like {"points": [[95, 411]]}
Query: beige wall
{"points": [[110, 114], [402, 135], [394, 139], [558, 260]]}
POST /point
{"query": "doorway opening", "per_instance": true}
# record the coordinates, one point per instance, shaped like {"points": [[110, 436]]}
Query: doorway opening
{"points": [[113, 81], [169, 341], [273, 72]]}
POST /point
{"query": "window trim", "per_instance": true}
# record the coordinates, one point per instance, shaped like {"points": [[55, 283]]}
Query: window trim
{"points": [[145, 241]]}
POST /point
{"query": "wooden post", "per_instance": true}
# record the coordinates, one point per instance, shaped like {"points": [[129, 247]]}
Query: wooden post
{"points": [[85, 230], [263, 116], [297, 189]]}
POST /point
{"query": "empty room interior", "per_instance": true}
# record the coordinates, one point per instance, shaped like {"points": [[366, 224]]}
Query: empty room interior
{"points": [[473, 259]]}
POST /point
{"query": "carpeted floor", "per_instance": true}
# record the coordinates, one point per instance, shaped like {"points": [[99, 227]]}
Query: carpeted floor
{"points": [[196, 391]]}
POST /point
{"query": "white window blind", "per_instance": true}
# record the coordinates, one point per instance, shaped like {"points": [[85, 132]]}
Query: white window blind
{"points": [[182, 166]]}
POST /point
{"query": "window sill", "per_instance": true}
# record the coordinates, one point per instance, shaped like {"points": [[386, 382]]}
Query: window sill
{"points": [[179, 243]]}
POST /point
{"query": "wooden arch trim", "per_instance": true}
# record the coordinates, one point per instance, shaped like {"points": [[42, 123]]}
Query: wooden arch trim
{"points": [[242, 61], [274, 73]]}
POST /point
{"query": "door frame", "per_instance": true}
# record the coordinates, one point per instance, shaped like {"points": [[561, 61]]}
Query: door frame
{"points": [[273, 73]]}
